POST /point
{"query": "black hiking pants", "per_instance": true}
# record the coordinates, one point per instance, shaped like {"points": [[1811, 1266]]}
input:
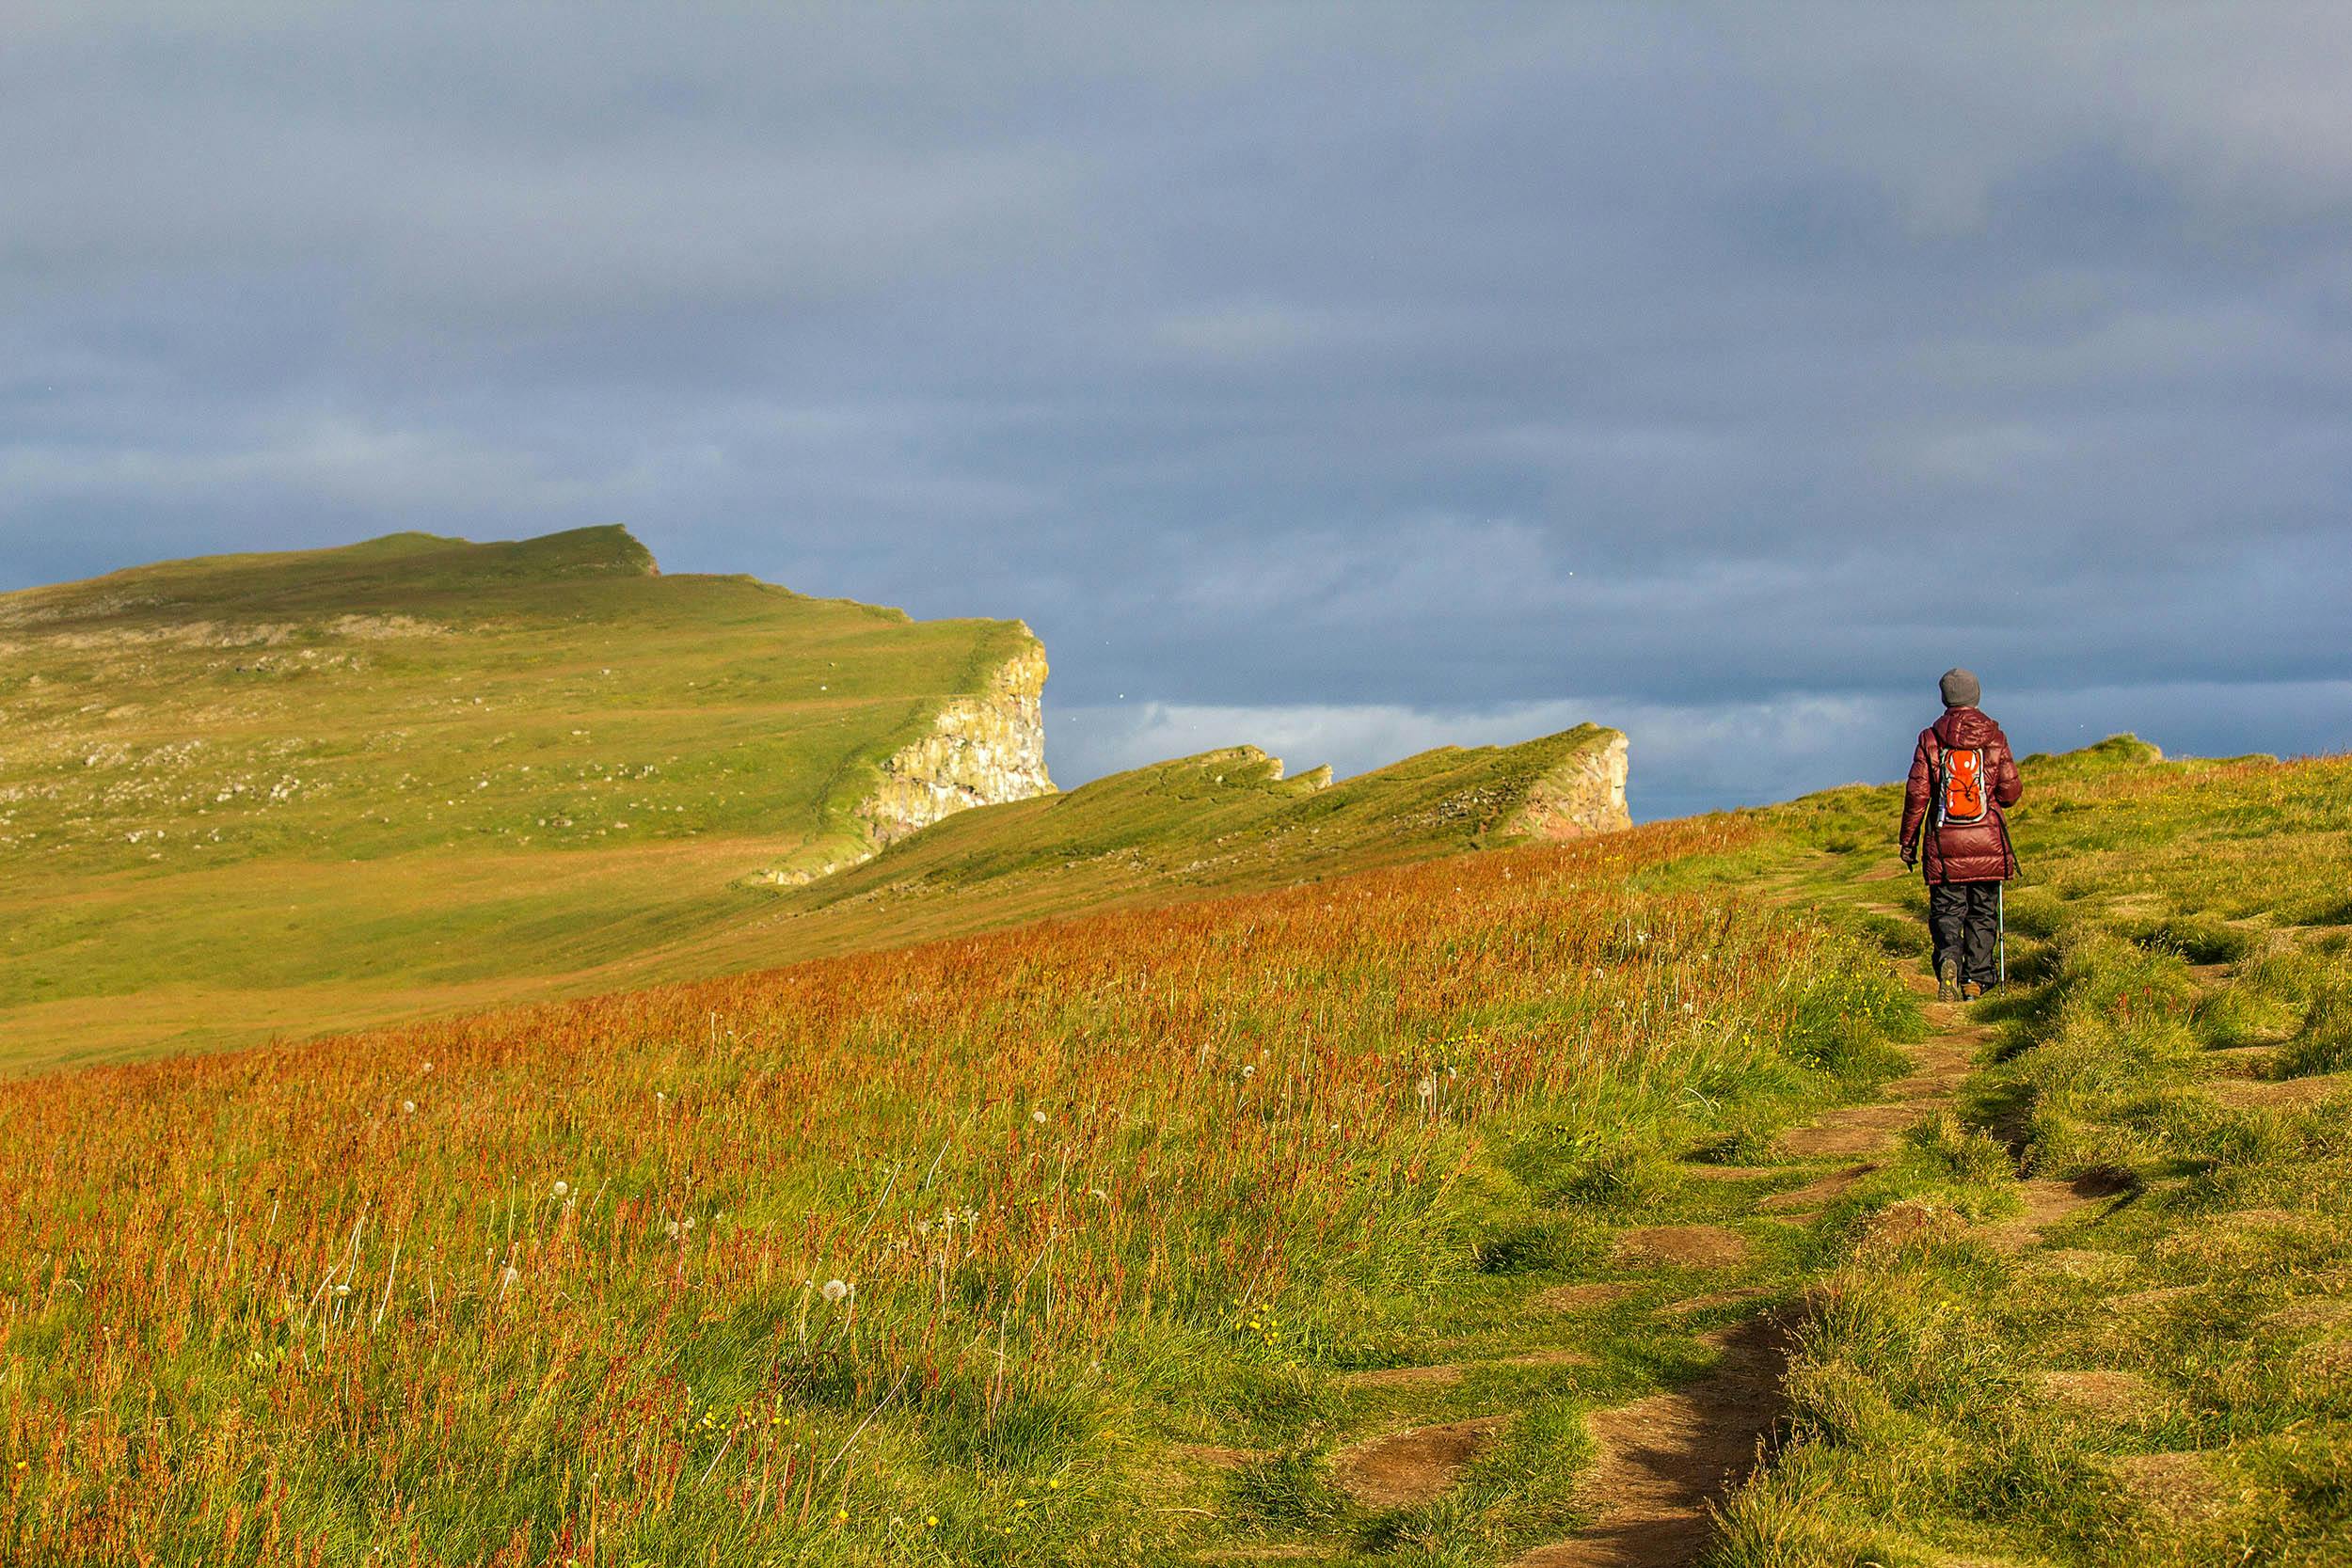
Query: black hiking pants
{"points": [[1965, 920]]}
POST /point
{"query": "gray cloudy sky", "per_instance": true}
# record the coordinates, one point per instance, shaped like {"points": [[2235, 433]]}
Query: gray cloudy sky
{"points": [[1348, 378]]}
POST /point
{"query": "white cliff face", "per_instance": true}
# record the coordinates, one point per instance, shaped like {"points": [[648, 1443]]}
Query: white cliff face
{"points": [[982, 749], [1584, 795]]}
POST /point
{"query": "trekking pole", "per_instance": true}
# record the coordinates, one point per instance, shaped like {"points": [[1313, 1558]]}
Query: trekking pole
{"points": [[2000, 926]]}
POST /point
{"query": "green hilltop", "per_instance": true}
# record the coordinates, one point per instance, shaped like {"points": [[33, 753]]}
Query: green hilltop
{"points": [[416, 693], [418, 765], [254, 795]]}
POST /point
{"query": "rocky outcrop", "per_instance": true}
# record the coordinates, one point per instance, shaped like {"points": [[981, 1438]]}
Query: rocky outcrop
{"points": [[981, 750], [1583, 793]]}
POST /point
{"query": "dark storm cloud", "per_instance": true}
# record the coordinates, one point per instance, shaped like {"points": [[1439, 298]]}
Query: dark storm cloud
{"points": [[1357, 378]]}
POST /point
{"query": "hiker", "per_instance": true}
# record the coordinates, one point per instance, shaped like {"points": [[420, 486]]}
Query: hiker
{"points": [[1962, 776]]}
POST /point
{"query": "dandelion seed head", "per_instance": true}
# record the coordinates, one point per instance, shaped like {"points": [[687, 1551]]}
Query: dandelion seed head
{"points": [[562, 1188], [836, 1290], [510, 1274], [408, 1107], [1038, 1116]]}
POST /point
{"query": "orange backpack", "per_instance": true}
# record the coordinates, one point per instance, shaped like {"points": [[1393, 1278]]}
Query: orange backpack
{"points": [[1960, 787]]}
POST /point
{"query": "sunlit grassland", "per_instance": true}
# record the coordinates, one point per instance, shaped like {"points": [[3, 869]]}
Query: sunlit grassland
{"points": [[552, 1285], [2166, 1378], [1109, 1197], [339, 785], [249, 797]]}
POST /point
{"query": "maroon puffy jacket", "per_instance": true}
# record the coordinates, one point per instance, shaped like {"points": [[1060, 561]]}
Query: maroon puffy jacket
{"points": [[1979, 851]]}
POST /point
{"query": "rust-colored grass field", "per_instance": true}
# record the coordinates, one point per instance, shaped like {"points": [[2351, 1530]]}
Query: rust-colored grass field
{"points": [[939, 1255]]}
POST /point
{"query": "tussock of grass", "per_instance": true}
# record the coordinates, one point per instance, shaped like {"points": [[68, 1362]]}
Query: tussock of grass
{"points": [[2199, 939], [2324, 1042]]}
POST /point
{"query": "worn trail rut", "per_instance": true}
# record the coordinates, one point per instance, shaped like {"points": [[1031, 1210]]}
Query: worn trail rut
{"points": [[1403, 1468], [1668, 1459], [1665, 1459]]}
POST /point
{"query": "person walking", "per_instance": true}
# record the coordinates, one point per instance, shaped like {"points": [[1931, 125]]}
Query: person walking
{"points": [[1962, 778]]}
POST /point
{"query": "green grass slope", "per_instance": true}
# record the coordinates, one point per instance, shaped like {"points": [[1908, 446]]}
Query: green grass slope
{"points": [[282, 794], [2099, 1311], [1112, 1208], [283, 791]]}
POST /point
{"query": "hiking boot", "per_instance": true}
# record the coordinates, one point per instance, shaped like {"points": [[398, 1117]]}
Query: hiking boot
{"points": [[1947, 980], [1970, 991]]}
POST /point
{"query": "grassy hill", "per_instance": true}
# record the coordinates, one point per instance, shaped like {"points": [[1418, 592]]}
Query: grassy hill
{"points": [[259, 792], [279, 793], [1224, 821], [1483, 1211]]}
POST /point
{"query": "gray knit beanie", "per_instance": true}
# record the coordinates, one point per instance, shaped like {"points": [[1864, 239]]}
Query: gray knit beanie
{"points": [[1961, 689]]}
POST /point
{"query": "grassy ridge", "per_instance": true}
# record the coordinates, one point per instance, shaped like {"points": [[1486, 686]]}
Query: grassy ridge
{"points": [[1222, 822], [263, 795], [344, 783], [552, 1285]]}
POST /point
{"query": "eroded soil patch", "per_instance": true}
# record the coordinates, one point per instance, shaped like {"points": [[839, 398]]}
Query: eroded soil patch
{"points": [[1572, 1298], [1816, 1195], [2176, 1486], [2048, 1203], [1857, 1130], [1404, 1469], [2111, 1396], [1696, 1247], [1665, 1459], [2283, 1094]]}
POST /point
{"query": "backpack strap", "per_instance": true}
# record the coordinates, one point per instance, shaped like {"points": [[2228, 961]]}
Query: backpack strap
{"points": [[1936, 785]]}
